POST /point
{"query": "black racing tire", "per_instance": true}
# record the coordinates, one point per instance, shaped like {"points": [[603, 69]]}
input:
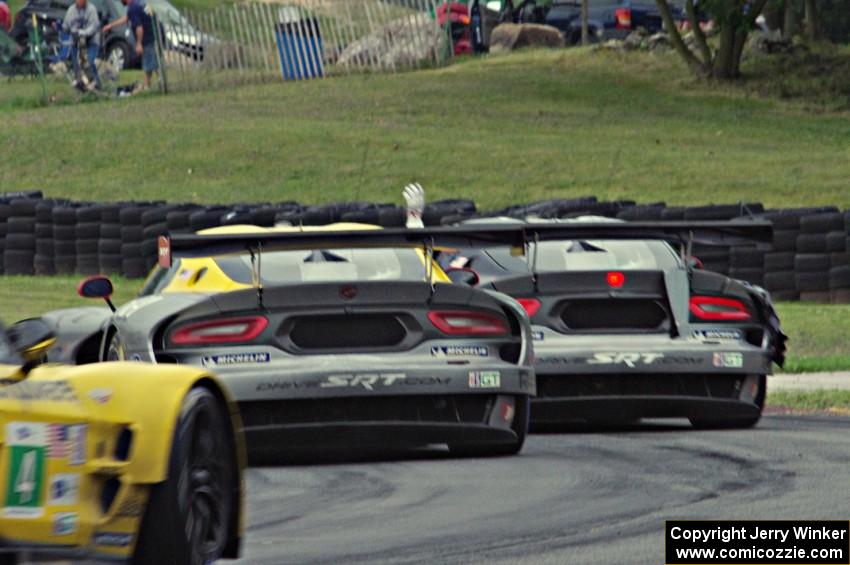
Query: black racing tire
{"points": [[735, 423], [23, 206], [134, 267], [839, 277], [392, 217], [746, 258], [65, 233], [87, 246], [132, 234], [189, 516], [779, 261], [18, 262], [812, 262], [131, 215], [153, 231], [752, 276], [836, 241], [519, 426], [88, 230], [811, 243], [110, 231], [22, 241], [822, 223], [839, 259], [20, 224], [64, 216], [812, 282], [43, 230], [89, 215], [780, 280], [785, 240]]}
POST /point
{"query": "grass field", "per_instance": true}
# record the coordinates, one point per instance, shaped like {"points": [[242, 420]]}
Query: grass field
{"points": [[500, 130], [818, 333], [834, 401]]}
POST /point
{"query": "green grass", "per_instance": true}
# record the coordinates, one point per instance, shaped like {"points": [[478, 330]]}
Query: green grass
{"points": [[500, 130], [816, 400]]}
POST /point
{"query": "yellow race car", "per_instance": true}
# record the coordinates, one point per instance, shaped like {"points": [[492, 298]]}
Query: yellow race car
{"points": [[94, 466]]}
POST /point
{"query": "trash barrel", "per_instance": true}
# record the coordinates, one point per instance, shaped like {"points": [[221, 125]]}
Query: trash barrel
{"points": [[300, 46]]}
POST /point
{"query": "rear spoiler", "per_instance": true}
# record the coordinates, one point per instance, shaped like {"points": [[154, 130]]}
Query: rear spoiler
{"points": [[514, 235]]}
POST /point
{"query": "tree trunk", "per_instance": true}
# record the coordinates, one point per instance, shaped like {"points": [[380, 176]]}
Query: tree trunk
{"points": [[585, 31], [790, 23], [676, 39], [812, 24], [724, 67], [699, 36]]}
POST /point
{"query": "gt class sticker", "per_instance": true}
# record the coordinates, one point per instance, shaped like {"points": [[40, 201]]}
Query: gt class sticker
{"points": [[65, 523], [112, 539], [460, 351], [485, 379], [714, 334], [228, 360], [729, 360], [27, 453], [64, 489]]}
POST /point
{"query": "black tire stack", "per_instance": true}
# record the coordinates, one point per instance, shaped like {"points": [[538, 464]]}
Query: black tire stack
{"points": [[109, 246], [154, 224], [5, 211], [449, 211], [65, 238], [133, 265], [44, 262], [19, 251], [839, 271], [813, 262], [88, 239]]}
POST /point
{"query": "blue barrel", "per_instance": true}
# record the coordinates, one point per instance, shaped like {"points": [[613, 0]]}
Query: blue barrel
{"points": [[300, 47]]}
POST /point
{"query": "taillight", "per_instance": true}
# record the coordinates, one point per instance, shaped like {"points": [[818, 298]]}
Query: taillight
{"points": [[615, 279], [623, 17], [227, 330], [530, 305], [716, 308], [464, 322]]}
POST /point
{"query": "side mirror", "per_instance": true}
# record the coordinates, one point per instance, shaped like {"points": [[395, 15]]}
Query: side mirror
{"points": [[97, 286], [31, 339], [463, 276], [694, 263]]}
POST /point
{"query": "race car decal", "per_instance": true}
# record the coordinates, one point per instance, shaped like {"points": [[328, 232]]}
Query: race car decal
{"points": [[537, 335], [64, 489], [228, 360], [27, 453], [112, 539], [51, 391], [77, 443], [715, 334], [367, 381], [485, 379], [627, 359], [460, 351], [101, 395], [64, 523], [728, 360]]}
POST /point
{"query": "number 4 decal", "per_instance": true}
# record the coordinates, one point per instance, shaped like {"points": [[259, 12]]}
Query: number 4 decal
{"points": [[25, 493]]}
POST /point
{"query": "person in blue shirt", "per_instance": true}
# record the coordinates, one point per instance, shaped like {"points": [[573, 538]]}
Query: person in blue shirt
{"points": [[141, 22]]}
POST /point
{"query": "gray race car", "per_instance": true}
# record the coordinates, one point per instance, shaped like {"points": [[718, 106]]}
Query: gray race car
{"points": [[336, 338], [626, 327]]}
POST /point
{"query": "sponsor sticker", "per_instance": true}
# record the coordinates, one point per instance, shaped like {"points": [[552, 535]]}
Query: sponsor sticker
{"points": [[537, 335], [64, 489], [112, 539], [25, 480], [65, 523], [77, 444], [628, 359], [231, 359], [460, 351], [49, 391], [728, 360], [715, 334], [367, 380], [485, 379], [101, 395]]}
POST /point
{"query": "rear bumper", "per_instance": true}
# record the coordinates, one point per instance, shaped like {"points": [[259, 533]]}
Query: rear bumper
{"points": [[372, 434], [626, 408]]}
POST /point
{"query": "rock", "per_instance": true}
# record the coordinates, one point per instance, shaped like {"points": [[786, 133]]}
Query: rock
{"points": [[405, 42], [509, 37]]}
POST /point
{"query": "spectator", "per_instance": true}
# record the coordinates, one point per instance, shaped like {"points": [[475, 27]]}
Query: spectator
{"points": [[5, 17], [83, 23], [141, 24]]}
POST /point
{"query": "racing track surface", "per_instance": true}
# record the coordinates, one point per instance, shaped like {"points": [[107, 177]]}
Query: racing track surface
{"points": [[586, 497]]}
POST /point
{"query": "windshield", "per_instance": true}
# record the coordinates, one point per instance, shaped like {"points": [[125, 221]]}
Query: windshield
{"points": [[328, 265], [590, 255]]}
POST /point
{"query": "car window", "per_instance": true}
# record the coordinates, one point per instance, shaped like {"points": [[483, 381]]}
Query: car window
{"points": [[590, 255], [328, 265]]}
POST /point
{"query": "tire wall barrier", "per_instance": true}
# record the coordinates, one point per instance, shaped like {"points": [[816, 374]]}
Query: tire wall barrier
{"points": [[809, 258]]}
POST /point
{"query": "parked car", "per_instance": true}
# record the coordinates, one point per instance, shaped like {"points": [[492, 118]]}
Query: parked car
{"points": [[178, 32], [608, 19], [118, 45]]}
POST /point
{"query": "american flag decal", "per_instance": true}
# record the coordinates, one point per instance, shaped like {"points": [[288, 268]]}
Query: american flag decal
{"points": [[57, 441]]}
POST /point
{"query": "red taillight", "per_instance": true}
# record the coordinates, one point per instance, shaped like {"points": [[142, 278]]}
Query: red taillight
{"points": [[623, 17], [464, 322], [530, 305], [615, 279], [228, 330], [716, 308]]}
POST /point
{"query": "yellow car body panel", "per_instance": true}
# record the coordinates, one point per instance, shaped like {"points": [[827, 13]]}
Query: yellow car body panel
{"points": [[63, 434], [203, 275]]}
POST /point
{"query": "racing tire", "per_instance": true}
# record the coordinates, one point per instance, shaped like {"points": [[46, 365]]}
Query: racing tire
{"points": [[836, 241], [735, 423], [812, 243], [519, 426], [189, 516], [785, 240]]}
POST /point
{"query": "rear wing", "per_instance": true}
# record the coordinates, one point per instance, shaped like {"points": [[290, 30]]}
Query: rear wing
{"points": [[514, 235]]}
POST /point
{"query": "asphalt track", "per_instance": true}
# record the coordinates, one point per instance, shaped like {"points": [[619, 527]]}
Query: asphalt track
{"points": [[577, 497]]}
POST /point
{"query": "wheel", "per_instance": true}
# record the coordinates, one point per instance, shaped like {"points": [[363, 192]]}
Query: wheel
{"points": [[519, 426], [190, 516], [118, 54], [736, 423]]}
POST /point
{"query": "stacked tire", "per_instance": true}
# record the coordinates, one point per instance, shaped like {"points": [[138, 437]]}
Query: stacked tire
{"points": [[5, 211], [44, 262], [109, 246], [812, 262], [65, 238], [133, 265], [19, 249], [839, 271], [88, 239]]}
